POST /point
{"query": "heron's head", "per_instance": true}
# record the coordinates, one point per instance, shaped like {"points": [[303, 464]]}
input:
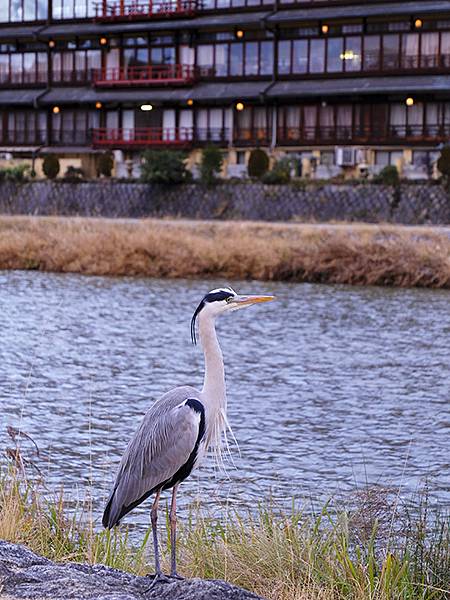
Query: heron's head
{"points": [[223, 300]]}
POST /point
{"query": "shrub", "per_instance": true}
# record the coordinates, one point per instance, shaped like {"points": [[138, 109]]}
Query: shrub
{"points": [[164, 166], [105, 164], [16, 173], [211, 164], [443, 165], [258, 163], [73, 174], [280, 173], [50, 166], [388, 176]]}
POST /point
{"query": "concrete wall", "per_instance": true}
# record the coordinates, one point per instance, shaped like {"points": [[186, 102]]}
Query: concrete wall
{"points": [[409, 204]]}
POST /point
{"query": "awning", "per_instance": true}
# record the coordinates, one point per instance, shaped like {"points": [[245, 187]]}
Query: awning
{"points": [[212, 21], [361, 86], [317, 13], [207, 92], [19, 97]]}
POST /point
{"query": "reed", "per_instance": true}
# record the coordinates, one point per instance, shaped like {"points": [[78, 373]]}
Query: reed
{"points": [[282, 556], [354, 254]]}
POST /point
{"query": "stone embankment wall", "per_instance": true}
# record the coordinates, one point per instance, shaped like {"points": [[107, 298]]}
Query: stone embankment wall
{"points": [[408, 204]]}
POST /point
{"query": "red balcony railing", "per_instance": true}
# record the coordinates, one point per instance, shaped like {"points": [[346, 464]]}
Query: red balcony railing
{"points": [[148, 75], [116, 10], [142, 136]]}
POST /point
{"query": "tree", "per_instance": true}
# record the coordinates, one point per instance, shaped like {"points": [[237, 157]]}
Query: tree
{"points": [[50, 166], [105, 164], [164, 166], [211, 164], [280, 173], [388, 176], [258, 163]]}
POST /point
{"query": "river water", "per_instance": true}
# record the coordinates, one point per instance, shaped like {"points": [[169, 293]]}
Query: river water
{"points": [[329, 387]]}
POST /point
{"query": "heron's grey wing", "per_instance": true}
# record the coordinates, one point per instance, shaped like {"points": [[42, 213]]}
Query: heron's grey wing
{"points": [[161, 446]]}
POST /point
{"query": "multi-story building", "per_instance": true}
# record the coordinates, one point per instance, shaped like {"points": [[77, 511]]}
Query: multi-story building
{"points": [[335, 84]]}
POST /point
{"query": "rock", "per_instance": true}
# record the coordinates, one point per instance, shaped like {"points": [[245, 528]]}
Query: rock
{"points": [[23, 574]]}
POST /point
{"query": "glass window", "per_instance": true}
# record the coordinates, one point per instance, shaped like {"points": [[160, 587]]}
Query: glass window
{"points": [[352, 54], [284, 57], [391, 47], [335, 55], [445, 49], [29, 10], [4, 68], [372, 53], [16, 12], [236, 60], [266, 58], [205, 55], [317, 56], [430, 50], [4, 12], [300, 56], [221, 64], [251, 58], [410, 50]]}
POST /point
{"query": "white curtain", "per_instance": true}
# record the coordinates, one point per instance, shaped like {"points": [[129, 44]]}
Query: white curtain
{"points": [[169, 132], [128, 124], [430, 49], [202, 123], [187, 55], [186, 123], [310, 119], [398, 118], [410, 50], [215, 123]]}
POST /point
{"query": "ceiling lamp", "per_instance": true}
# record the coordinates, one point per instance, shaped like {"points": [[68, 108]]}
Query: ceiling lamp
{"points": [[103, 41], [146, 107], [240, 106], [239, 34], [325, 28], [418, 23], [190, 102], [409, 101], [98, 105], [56, 110]]}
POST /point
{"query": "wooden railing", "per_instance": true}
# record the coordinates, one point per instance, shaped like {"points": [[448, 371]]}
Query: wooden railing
{"points": [[142, 136], [146, 75], [115, 10], [12, 77]]}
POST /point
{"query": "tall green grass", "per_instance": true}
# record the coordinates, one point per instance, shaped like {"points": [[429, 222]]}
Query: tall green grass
{"points": [[281, 556]]}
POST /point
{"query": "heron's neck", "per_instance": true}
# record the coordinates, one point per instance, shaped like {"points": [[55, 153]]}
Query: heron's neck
{"points": [[214, 383]]}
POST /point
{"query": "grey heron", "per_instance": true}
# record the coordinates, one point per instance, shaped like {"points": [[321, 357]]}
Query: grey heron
{"points": [[178, 429]]}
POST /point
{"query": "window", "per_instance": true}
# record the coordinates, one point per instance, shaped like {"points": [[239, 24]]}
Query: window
{"points": [[391, 48], [410, 50], [317, 56], [372, 53], [300, 56], [352, 54], [236, 59], [284, 57], [335, 55], [251, 58]]}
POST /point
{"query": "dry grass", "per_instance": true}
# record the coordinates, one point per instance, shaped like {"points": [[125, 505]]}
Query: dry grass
{"points": [[353, 254], [279, 556]]}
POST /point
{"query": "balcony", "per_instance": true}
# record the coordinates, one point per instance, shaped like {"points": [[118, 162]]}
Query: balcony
{"points": [[144, 76], [391, 134], [131, 10], [142, 137], [22, 78]]}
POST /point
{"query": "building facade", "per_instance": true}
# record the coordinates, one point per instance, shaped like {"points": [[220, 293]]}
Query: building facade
{"points": [[343, 87]]}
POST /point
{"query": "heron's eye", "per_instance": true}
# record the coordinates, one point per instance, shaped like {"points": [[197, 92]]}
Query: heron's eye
{"points": [[229, 299]]}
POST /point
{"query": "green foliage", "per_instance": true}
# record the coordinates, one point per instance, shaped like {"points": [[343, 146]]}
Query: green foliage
{"points": [[164, 166], [443, 163], [211, 164], [73, 174], [50, 166], [258, 163], [388, 176], [17, 173], [280, 173], [105, 164]]}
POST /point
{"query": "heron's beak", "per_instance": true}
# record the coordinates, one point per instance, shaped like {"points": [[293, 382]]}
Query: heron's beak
{"points": [[249, 300]]}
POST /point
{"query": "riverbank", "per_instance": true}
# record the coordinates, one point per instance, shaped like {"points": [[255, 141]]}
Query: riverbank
{"points": [[377, 550], [357, 254]]}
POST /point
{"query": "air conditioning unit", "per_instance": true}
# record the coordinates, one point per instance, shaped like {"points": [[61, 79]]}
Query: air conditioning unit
{"points": [[345, 156]]}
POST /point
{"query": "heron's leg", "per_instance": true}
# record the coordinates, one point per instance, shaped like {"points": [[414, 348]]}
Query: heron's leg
{"points": [[154, 520], [173, 533]]}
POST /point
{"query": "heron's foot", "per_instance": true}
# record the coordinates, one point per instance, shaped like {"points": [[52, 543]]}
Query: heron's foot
{"points": [[174, 575], [157, 578]]}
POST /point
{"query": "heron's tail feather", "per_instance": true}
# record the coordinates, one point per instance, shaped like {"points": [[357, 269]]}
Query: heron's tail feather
{"points": [[110, 517]]}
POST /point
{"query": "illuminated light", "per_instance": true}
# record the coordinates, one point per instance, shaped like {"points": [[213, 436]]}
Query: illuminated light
{"points": [[103, 41], [190, 102], [55, 110], [239, 33], [349, 55], [51, 43], [409, 101], [98, 105], [239, 106], [325, 28], [146, 107], [418, 23]]}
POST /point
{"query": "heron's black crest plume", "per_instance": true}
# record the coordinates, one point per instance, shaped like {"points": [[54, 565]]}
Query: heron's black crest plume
{"points": [[213, 296]]}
